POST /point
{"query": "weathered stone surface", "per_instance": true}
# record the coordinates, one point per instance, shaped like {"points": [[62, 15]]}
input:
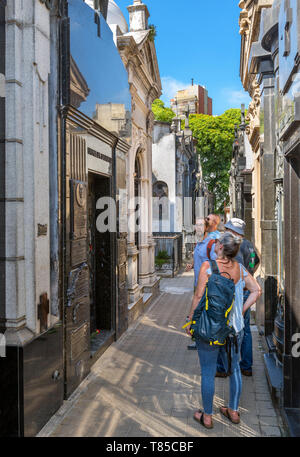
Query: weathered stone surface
{"points": [[139, 56]]}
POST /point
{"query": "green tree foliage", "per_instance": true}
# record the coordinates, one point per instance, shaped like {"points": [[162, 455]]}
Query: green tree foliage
{"points": [[215, 136], [161, 113], [162, 258], [153, 32]]}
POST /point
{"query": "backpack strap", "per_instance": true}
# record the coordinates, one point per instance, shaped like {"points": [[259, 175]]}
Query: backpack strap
{"points": [[214, 267], [209, 247]]}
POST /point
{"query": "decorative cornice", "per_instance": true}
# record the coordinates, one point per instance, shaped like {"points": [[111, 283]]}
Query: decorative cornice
{"points": [[253, 127], [133, 60], [249, 23], [123, 146], [75, 117]]}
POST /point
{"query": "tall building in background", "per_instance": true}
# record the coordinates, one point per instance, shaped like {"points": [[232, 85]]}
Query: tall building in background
{"points": [[194, 97]]}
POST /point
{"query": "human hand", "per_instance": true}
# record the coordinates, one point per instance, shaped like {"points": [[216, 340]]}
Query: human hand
{"points": [[189, 267], [188, 328]]}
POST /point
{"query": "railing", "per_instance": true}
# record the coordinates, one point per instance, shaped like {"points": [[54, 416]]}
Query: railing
{"points": [[172, 244]]}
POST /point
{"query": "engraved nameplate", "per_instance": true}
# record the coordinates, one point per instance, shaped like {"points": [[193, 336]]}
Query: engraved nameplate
{"points": [[99, 155]]}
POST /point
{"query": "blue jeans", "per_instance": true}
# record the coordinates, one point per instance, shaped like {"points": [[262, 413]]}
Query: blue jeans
{"points": [[208, 356], [246, 349]]}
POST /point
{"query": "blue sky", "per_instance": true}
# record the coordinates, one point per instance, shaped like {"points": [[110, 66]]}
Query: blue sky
{"points": [[198, 39]]}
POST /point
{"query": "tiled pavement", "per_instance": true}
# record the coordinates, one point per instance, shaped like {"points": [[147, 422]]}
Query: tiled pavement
{"points": [[147, 384]]}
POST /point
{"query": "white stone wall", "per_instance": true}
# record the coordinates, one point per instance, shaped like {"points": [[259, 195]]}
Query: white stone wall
{"points": [[164, 169], [248, 153], [145, 87], [27, 169], [170, 164]]}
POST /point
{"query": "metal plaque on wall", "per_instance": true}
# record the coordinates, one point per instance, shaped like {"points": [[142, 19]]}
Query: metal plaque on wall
{"points": [[78, 209]]}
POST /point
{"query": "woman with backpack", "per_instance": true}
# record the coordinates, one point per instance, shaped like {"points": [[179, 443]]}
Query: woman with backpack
{"points": [[211, 280]]}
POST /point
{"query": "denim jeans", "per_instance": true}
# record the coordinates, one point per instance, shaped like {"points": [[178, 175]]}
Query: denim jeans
{"points": [[208, 356], [246, 349]]}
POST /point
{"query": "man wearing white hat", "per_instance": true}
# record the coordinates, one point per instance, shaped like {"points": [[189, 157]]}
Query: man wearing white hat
{"points": [[249, 258]]}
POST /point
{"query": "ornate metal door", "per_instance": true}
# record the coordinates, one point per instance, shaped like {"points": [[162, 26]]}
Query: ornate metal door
{"points": [[77, 306]]}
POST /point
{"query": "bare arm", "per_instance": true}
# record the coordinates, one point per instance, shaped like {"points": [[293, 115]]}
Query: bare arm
{"points": [[254, 289]]}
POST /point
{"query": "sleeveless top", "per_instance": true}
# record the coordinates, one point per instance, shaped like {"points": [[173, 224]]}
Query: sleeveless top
{"points": [[236, 319]]}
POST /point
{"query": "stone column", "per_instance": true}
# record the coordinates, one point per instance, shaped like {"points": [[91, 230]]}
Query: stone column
{"points": [[2, 166], [132, 252], [31, 358], [151, 243], [27, 168], [15, 312], [144, 233], [268, 223]]}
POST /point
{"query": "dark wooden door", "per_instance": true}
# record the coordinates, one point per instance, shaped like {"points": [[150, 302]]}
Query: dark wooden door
{"points": [[100, 259]]}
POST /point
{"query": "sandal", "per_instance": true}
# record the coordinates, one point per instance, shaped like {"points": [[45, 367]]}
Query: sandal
{"points": [[201, 420], [226, 413]]}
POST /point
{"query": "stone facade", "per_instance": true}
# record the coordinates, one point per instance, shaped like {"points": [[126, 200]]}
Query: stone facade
{"points": [[273, 65], [28, 310], [63, 283], [175, 165], [96, 140], [240, 189], [263, 196], [27, 166], [177, 183], [249, 23], [138, 53]]}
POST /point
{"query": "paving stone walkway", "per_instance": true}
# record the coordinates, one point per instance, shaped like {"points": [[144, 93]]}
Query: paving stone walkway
{"points": [[147, 384]]}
